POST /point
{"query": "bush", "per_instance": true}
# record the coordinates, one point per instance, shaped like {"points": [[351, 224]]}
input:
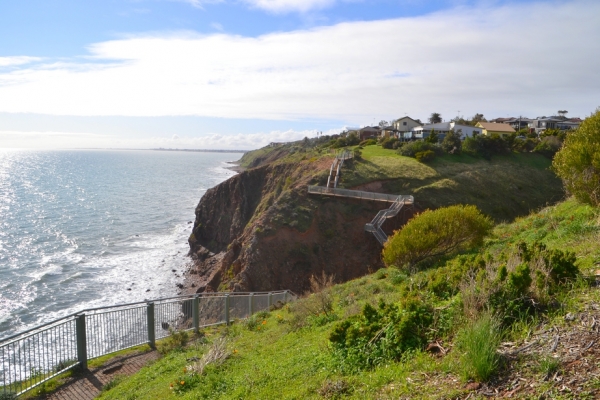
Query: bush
{"points": [[412, 148], [578, 162], [478, 343], [425, 156], [486, 146], [388, 143], [368, 142], [176, 341], [452, 143], [518, 283], [548, 146], [381, 334], [436, 233]]}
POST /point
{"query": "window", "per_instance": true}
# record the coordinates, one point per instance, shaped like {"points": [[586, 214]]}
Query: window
{"points": [[404, 123]]}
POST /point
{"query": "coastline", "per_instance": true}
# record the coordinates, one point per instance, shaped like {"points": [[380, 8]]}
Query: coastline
{"points": [[235, 166]]}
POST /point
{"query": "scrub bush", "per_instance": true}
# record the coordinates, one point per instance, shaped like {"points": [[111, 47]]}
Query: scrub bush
{"points": [[436, 233], [381, 334]]}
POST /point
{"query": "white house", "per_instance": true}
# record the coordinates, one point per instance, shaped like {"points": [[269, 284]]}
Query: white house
{"points": [[442, 128]]}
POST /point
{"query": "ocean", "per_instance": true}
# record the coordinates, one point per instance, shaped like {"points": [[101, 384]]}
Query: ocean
{"points": [[89, 228]]}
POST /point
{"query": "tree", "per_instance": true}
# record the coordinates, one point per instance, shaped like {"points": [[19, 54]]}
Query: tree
{"points": [[383, 123], [435, 118], [437, 233], [477, 118], [563, 113], [452, 143], [433, 137], [578, 162]]}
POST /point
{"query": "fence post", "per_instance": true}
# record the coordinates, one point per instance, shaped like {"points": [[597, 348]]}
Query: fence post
{"points": [[251, 304], [151, 325], [196, 313], [285, 294], [81, 341], [270, 300], [227, 308]]}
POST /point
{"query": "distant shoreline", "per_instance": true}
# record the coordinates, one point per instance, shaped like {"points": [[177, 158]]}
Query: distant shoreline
{"points": [[204, 150]]}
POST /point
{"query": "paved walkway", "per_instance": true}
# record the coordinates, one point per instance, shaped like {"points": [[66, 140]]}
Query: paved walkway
{"points": [[87, 385]]}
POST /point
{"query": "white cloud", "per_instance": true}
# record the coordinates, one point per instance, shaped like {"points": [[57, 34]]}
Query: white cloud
{"points": [[284, 6], [17, 60], [65, 140], [198, 3], [217, 26], [476, 60]]}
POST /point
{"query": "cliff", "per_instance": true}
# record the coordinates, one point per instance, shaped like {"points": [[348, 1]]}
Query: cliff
{"points": [[260, 230]]}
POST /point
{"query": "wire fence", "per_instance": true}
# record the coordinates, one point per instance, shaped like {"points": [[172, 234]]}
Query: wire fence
{"points": [[31, 358]]}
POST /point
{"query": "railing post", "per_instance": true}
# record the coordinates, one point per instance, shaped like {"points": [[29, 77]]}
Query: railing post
{"points": [[196, 313], [81, 341], [270, 300], [285, 295], [251, 304], [151, 325], [227, 309]]}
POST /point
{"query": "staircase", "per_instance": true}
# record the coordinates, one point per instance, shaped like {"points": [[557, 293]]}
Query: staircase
{"points": [[336, 168], [375, 225]]}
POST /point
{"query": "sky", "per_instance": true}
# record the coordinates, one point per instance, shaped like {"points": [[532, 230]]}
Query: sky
{"points": [[238, 74]]}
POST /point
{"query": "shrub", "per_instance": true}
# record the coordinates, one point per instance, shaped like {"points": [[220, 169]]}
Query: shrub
{"points": [[433, 137], [548, 146], [478, 343], [519, 283], [578, 162], [452, 143], [388, 143], [317, 306], [412, 148], [381, 334], [436, 233], [368, 142], [425, 156], [176, 341], [485, 146]]}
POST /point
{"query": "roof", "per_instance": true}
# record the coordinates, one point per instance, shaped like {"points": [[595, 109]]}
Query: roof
{"points": [[491, 126], [407, 117]]}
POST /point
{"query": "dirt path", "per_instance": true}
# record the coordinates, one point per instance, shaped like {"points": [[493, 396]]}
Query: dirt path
{"points": [[87, 385]]}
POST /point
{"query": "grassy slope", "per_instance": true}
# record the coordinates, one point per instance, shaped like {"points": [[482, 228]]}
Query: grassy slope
{"points": [[279, 362], [503, 188]]}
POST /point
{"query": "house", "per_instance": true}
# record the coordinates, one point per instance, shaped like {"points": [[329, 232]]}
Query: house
{"points": [[539, 125], [442, 129], [405, 124], [369, 132], [389, 131], [489, 128]]}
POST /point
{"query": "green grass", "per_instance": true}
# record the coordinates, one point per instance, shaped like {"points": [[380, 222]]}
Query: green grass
{"points": [[478, 343], [503, 188]]}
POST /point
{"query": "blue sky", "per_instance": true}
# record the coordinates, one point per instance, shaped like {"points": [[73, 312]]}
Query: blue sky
{"points": [[241, 73]]}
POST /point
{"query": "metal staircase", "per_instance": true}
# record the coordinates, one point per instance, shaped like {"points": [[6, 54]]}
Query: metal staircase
{"points": [[336, 167], [375, 225]]}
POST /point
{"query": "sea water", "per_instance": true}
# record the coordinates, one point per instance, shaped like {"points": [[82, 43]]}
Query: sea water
{"points": [[88, 228]]}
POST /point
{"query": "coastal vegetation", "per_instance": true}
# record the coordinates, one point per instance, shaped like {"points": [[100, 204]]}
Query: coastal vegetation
{"points": [[510, 315]]}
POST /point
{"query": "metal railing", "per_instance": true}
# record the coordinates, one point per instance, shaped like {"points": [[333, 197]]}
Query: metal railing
{"points": [[31, 358], [374, 226], [358, 194]]}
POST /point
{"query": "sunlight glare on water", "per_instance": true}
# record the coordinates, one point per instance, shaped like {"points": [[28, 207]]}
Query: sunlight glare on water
{"points": [[82, 229]]}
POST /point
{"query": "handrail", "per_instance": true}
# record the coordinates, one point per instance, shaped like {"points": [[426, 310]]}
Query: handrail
{"points": [[32, 357]]}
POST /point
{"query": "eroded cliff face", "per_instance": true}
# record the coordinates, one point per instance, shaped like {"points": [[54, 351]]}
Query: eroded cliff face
{"points": [[260, 230]]}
